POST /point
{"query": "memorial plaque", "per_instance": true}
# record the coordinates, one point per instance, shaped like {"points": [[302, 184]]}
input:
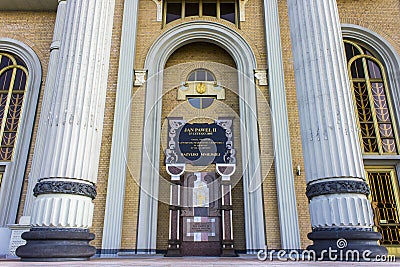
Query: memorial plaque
{"points": [[200, 229], [200, 144]]}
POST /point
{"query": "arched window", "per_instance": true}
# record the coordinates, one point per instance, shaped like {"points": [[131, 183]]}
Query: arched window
{"points": [[13, 83], [379, 137], [20, 80], [202, 78], [372, 99], [201, 75]]}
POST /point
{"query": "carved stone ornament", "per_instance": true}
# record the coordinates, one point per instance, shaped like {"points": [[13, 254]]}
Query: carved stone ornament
{"points": [[337, 229], [140, 77], [337, 187], [230, 156], [171, 153], [261, 76], [56, 229], [62, 187]]}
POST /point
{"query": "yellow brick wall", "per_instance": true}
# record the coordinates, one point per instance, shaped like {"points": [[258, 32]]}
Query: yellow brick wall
{"points": [[35, 29], [380, 16], [253, 31]]}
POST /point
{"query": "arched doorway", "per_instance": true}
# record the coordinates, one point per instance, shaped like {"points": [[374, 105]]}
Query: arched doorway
{"points": [[200, 88], [240, 51]]}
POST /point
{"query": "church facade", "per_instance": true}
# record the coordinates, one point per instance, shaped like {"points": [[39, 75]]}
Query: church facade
{"points": [[198, 127]]}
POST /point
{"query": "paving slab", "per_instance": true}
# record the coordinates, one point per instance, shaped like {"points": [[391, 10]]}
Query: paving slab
{"points": [[189, 262]]}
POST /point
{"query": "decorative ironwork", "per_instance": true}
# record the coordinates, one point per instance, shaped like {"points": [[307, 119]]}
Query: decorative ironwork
{"points": [[62, 187], [13, 84], [337, 187], [378, 133], [385, 205]]}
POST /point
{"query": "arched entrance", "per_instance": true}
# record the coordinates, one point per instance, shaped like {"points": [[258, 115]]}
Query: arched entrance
{"points": [[240, 51]]}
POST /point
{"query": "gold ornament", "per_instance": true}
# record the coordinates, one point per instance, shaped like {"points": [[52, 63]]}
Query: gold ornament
{"points": [[201, 88]]}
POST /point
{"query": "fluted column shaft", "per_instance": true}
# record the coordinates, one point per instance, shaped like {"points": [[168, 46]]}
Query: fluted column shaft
{"points": [[75, 118], [51, 80], [112, 230], [71, 151], [288, 218], [333, 161], [327, 119]]}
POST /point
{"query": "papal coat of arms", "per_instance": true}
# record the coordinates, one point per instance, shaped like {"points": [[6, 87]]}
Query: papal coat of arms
{"points": [[201, 88]]}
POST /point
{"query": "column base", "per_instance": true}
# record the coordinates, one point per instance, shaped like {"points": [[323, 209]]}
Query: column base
{"points": [[346, 245], [56, 244]]}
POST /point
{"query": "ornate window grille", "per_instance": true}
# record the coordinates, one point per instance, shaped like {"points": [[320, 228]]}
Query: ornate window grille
{"points": [[378, 133], [385, 203], [13, 84], [378, 137]]}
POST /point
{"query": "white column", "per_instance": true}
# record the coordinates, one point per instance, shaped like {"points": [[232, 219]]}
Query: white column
{"points": [[51, 79], [333, 162], [68, 173], [288, 218], [112, 230], [329, 131], [75, 119]]}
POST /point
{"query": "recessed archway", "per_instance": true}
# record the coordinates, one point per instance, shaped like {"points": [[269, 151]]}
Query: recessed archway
{"points": [[241, 52]]}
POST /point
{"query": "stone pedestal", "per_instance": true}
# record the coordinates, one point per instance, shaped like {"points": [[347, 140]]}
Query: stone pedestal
{"points": [[16, 232], [336, 187], [56, 244]]}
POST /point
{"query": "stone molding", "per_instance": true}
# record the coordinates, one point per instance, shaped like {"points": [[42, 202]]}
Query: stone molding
{"points": [[337, 187], [337, 229], [52, 229], [62, 187]]}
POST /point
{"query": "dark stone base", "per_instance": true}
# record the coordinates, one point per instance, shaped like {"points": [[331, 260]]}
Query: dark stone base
{"points": [[173, 252], [208, 248], [345, 245], [56, 244], [229, 252]]}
